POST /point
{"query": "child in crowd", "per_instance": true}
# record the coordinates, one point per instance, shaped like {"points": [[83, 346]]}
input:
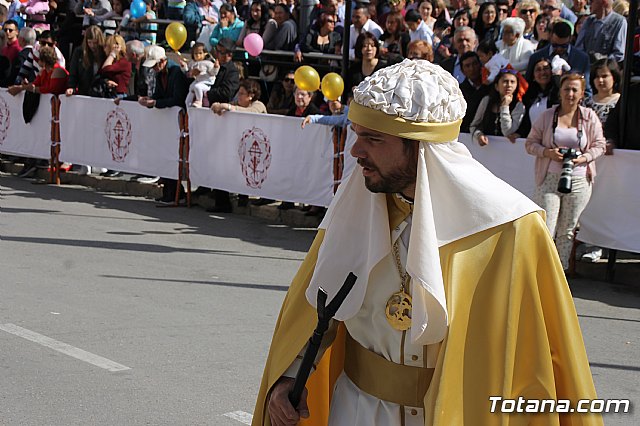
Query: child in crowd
{"points": [[203, 71], [441, 39], [492, 61], [148, 30], [120, 10], [91, 9]]}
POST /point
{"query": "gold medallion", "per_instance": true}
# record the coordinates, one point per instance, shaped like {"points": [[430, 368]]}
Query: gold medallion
{"points": [[398, 311]]}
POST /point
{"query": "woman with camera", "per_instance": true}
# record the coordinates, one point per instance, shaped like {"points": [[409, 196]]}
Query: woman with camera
{"points": [[566, 140]]}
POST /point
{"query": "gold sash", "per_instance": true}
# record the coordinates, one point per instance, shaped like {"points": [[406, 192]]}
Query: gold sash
{"points": [[386, 380]]}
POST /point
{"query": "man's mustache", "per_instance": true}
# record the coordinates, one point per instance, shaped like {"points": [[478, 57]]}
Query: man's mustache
{"points": [[367, 164]]}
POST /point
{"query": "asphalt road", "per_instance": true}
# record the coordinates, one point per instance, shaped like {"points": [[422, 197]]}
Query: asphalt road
{"points": [[116, 312]]}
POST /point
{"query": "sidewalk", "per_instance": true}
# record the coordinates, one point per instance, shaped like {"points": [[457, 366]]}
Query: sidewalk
{"points": [[627, 268], [122, 185]]}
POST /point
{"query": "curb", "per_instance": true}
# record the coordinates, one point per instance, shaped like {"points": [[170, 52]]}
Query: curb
{"points": [[293, 218]]}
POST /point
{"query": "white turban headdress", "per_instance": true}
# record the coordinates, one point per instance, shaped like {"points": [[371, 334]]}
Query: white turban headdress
{"points": [[455, 195]]}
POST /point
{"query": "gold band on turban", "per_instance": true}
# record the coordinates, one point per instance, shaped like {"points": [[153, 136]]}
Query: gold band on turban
{"points": [[398, 126]]}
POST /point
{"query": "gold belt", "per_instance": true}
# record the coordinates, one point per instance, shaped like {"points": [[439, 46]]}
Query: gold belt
{"points": [[386, 380]]}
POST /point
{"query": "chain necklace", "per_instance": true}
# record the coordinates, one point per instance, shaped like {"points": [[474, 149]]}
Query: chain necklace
{"points": [[398, 310]]}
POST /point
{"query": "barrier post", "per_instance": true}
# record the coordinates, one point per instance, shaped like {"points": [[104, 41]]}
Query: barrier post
{"points": [[54, 161], [184, 154], [183, 160], [611, 265]]}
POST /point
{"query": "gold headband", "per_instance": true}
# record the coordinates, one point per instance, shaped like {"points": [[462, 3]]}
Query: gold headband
{"points": [[398, 126]]}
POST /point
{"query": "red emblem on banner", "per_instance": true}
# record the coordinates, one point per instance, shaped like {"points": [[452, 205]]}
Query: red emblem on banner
{"points": [[118, 130], [5, 119], [255, 156]]}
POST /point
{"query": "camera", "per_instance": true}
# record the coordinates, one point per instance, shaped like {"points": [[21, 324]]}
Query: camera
{"points": [[568, 155]]}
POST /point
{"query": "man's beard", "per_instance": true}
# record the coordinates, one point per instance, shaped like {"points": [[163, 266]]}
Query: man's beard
{"points": [[394, 181]]}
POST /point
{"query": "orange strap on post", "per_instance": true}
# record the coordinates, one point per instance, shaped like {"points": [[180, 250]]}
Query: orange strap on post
{"points": [[184, 152], [54, 162]]}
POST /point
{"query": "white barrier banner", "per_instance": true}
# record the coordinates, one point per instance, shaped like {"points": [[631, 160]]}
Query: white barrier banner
{"points": [[126, 137], [31, 139], [349, 160], [264, 155], [509, 161], [612, 217]]}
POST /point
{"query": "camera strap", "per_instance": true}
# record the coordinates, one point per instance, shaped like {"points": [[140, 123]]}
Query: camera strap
{"points": [[555, 124]]}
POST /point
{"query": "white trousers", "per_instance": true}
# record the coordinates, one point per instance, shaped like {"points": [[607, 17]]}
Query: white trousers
{"points": [[563, 210], [197, 89]]}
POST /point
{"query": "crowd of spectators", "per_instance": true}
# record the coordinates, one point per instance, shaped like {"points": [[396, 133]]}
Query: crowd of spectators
{"points": [[509, 57]]}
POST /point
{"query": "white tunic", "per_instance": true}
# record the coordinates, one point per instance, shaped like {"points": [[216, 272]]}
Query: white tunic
{"points": [[350, 406]]}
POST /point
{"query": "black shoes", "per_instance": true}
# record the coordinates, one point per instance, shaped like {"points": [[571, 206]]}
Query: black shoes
{"points": [[315, 211], [286, 205], [201, 191], [262, 202], [243, 200], [111, 173]]}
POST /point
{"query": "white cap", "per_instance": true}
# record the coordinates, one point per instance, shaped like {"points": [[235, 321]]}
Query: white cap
{"points": [[154, 55], [415, 90]]}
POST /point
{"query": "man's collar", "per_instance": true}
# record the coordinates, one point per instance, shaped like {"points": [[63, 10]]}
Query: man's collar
{"points": [[568, 52], [472, 84], [607, 14], [404, 198]]}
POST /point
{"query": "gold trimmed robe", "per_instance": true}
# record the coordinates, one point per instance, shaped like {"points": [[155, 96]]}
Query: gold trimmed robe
{"points": [[513, 331]]}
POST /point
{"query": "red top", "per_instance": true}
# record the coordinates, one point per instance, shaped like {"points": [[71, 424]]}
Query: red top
{"points": [[120, 72], [11, 50], [46, 84]]}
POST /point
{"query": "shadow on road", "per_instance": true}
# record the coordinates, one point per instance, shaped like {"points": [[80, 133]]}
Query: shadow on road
{"points": [[192, 220], [214, 283]]}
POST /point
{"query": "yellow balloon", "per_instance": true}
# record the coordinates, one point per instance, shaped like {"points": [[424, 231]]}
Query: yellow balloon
{"points": [[307, 78], [176, 35], [332, 86]]}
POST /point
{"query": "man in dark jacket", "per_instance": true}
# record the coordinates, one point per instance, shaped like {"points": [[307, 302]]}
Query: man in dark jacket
{"points": [[223, 90], [228, 78], [561, 46], [172, 85], [464, 40], [472, 88], [171, 90]]}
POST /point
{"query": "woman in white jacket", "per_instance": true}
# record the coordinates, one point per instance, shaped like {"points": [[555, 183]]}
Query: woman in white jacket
{"points": [[513, 46]]}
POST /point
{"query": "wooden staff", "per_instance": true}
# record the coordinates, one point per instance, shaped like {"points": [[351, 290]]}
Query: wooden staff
{"points": [[325, 314]]}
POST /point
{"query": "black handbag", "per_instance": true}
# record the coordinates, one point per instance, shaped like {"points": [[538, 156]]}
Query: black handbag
{"points": [[100, 89], [30, 105]]}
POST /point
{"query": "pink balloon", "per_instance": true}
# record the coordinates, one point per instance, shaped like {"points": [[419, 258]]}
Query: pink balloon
{"points": [[253, 44]]}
